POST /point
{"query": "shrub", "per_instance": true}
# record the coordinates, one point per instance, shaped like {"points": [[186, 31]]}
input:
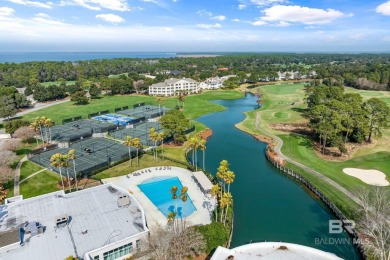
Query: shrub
{"points": [[12, 126], [214, 235]]}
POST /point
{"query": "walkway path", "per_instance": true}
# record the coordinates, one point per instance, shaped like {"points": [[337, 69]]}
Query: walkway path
{"points": [[17, 176], [278, 150], [38, 106], [32, 175]]}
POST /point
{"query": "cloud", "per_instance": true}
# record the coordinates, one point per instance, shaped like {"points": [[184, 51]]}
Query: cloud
{"points": [[258, 23], [157, 2], [236, 20], [204, 13], [47, 19], [267, 2], [282, 24], [241, 6], [115, 5], [6, 11], [299, 14], [384, 8], [209, 26], [219, 17], [386, 38], [47, 5], [110, 18]]}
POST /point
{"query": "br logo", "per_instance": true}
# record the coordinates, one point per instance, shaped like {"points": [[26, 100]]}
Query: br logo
{"points": [[336, 226]]}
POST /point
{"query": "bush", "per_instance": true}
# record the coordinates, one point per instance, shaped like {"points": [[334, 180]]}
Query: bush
{"points": [[214, 234], [12, 126]]}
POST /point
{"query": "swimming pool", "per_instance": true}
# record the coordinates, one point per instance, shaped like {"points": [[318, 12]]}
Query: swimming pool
{"points": [[114, 119], [158, 191]]}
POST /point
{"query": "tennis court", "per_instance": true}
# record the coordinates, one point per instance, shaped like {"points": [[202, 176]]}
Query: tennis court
{"points": [[139, 130], [147, 111], [91, 155], [74, 130], [114, 119]]}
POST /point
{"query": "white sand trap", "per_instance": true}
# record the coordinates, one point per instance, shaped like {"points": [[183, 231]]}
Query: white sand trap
{"points": [[372, 177]]}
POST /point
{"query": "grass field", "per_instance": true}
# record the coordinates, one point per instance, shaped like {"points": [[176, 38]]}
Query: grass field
{"points": [[194, 106], [28, 168], [57, 83], [145, 161], [278, 107], [42, 183]]}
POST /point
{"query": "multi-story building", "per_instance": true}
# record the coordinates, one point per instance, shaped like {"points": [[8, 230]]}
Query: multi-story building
{"points": [[100, 223], [171, 87]]}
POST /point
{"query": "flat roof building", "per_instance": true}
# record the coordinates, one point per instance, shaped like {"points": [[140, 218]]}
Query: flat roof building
{"points": [[171, 87], [100, 223]]}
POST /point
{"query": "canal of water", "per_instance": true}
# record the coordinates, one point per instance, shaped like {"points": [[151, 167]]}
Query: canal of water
{"points": [[268, 206]]}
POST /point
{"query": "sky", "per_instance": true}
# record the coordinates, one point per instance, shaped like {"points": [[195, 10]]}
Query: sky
{"points": [[195, 25]]}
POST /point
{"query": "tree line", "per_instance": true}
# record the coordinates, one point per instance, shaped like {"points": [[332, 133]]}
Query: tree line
{"points": [[337, 117]]}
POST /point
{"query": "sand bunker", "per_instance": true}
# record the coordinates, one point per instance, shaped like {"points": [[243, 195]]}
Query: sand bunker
{"points": [[372, 177]]}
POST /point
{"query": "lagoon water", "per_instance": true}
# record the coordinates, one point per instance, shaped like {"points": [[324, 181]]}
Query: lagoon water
{"points": [[268, 206], [18, 57]]}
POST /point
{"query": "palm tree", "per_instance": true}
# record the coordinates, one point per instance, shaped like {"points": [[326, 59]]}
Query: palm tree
{"points": [[222, 205], [41, 122], [222, 169], [48, 123], [192, 145], [229, 178], [129, 142], [34, 126], [65, 159], [56, 160], [228, 202], [173, 191], [153, 137], [160, 138], [215, 194], [72, 156], [202, 145], [137, 145]]}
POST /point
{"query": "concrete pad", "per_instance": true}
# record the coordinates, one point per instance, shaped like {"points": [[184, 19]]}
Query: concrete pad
{"points": [[204, 204]]}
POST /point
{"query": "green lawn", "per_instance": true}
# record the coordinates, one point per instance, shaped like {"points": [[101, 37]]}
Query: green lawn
{"points": [[194, 106], [114, 76], [57, 83], [42, 183], [145, 161], [28, 168], [278, 107], [299, 148]]}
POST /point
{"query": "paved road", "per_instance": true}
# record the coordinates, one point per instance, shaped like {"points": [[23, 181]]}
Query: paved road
{"points": [[278, 147], [38, 106]]}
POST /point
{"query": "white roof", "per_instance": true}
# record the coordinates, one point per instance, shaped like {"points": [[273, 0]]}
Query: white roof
{"points": [[272, 251], [96, 220], [203, 180], [171, 81]]}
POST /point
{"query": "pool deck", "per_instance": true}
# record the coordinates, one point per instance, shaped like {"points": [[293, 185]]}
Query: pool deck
{"points": [[204, 205]]}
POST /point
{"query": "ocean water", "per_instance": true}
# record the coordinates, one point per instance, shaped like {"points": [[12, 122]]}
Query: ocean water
{"points": [[19, 57]]}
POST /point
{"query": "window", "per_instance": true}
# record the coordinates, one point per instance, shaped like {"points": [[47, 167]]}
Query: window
{"points": [[96, 257], [138, 245], [118, 252]]}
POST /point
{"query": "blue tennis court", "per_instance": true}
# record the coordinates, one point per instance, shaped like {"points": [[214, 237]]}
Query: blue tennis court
{"points": [[114, 119]]}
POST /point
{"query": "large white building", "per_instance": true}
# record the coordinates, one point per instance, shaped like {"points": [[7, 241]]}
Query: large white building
{"points": [[171, 87], [272, 251], [100, 223], [214, 82]]}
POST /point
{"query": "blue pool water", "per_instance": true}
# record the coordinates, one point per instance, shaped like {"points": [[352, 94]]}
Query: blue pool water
{"points": [[114, 119], [158, 191]]}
